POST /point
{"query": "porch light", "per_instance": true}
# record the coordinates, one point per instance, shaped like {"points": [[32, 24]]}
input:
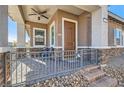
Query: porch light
{"points": [[105, 20]]}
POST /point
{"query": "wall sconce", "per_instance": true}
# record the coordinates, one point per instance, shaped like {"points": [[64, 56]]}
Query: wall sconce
{"points": [[105, 20]]}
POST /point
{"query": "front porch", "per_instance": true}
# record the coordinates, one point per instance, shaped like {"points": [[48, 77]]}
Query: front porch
{"points": [[75, 46], [67, 27]]}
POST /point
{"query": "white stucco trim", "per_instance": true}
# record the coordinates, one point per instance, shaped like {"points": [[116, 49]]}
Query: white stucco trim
{"points": [[21, 35], [57, 47], [123, 37], [53, 24], [4, 49], [76, 31], [82, 46], [34, 37]]}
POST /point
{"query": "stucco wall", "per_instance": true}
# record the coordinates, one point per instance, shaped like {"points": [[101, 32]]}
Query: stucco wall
{"points": [[54, 18], [36, 25], [84, 28], [111, 26], [84, 32], [100, 27], [3, 25]]}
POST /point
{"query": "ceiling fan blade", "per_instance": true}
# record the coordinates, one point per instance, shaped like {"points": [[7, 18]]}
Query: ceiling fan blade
{"points": [[40, 13], [35, 11], [31, 14], [45, 16], [43, 12]]}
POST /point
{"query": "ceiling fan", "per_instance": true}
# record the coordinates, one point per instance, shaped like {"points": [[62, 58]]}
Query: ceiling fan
{"points": [[40, 14]]}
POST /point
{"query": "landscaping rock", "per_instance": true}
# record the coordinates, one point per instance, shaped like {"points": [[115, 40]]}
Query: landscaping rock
{"points": [[72, 80], [115, 72]]}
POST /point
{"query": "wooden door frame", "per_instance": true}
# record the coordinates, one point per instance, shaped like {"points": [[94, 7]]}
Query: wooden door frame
{"points": [[76, 31]]}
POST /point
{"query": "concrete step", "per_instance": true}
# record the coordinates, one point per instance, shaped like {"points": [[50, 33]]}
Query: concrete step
{"points": [[104, 82], [93, 75], [91, 67]]}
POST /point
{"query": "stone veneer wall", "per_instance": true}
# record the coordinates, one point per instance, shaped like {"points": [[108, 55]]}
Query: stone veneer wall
{"points": [[105, 54], [2, 65]]}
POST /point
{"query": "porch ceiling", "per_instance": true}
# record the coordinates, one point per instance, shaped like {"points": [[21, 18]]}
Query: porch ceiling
{"points": [[16, 13], [51, 10], [88, 8], [20, 13]]}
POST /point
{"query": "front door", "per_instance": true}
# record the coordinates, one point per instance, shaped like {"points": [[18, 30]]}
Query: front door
{"points": [[69, 35]]}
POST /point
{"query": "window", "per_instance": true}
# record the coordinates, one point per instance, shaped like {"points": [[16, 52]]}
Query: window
{"points": [[39, 37], [118, 36], [52, 34]]}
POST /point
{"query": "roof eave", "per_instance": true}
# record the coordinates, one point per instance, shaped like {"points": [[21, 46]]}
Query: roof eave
{"points": [[115, 16]]}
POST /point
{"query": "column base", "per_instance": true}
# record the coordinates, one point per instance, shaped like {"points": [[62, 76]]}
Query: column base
{"points": [[4, 49]]}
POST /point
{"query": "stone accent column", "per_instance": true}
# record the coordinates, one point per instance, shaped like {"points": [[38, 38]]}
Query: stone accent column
{"points": [[2, 65], [3, 40], [100, 27], [20, 35]]}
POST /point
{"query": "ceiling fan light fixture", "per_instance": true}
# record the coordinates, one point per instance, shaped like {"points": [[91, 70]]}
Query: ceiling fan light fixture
{"points": [[38, 18]]}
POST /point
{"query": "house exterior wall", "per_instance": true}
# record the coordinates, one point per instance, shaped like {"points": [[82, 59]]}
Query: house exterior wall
{"points": [[20, 35], [3, 40], [65, 15], [84, 32], [105, 53], [111, 26], [3, 26], [100, 27], [36, 25], [55, 19], [84, 27]]}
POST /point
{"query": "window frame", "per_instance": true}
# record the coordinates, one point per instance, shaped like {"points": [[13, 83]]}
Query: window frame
{"points": [[121, 35], [34, 29], [52, 25]]}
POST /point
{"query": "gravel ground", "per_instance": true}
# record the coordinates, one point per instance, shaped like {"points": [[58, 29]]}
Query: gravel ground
{"points": [[73, 80], [115, 68], [115, 72]]}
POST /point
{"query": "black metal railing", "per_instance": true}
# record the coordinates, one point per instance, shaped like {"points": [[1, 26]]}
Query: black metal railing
{"points": [[24, 68]]}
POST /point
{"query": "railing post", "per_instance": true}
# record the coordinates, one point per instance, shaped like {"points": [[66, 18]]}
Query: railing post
{"points": [[55, 63], [81, 58], [96, 56]]}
